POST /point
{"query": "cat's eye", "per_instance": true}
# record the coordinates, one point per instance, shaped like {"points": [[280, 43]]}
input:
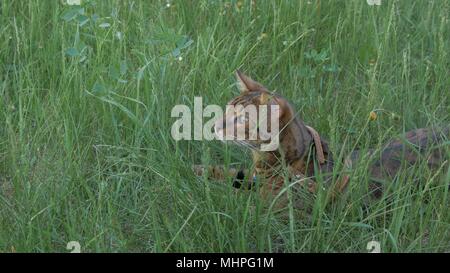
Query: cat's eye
{"points": [[241, 119]]}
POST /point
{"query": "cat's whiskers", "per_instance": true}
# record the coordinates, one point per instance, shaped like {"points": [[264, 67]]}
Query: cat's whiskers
{"points": [[245, 144]]}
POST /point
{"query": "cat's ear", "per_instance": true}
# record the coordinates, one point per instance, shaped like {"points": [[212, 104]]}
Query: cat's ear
{"points": [[247, 84]]}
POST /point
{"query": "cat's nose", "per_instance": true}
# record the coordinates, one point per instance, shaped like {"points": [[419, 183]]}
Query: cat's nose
{"points": [[219, 124], [218, 128]]}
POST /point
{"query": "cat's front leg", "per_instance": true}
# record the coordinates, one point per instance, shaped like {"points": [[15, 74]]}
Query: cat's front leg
{"points": [[242, 178]]}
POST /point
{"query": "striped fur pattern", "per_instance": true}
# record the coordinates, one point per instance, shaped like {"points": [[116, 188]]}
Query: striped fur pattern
{"points": [[297, 149]]}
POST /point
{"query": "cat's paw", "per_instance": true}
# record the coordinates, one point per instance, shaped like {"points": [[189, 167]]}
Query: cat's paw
{"points": [[198, 170]]}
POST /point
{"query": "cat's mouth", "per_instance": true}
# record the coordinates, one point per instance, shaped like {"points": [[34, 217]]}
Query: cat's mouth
{"points": [[219, 133], [251, 137], [252, 145]]}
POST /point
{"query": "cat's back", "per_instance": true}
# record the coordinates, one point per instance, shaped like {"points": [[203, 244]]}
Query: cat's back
{"points": [[424, 144]]}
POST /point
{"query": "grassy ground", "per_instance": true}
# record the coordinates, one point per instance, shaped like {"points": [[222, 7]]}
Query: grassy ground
{"points": [[85, 148]]}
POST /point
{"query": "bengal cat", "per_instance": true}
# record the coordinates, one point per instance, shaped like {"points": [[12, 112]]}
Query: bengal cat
{"points": [[306, 156]]}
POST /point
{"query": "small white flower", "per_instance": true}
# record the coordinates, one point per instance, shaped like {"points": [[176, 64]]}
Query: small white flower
{"points": [[73, 2], [168, 5], [104, 25], [180, 58], [374, 2]]}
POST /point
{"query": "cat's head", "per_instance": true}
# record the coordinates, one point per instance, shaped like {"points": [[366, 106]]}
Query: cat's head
{"points": [[255, 117]]}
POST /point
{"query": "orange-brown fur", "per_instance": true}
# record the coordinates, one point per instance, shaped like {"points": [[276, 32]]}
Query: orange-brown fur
{"points": [[297, 149]]}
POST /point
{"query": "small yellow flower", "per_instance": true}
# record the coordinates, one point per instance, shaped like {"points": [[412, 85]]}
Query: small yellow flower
{"points": [[394, 116], [262, 36], [239, 6], [372, 115]]}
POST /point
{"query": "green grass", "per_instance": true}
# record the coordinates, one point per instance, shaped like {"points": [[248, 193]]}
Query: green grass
{"points": [[85, 147]]}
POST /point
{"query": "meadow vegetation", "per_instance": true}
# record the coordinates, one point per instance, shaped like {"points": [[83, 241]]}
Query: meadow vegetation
{"points": [[86, 94]]}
